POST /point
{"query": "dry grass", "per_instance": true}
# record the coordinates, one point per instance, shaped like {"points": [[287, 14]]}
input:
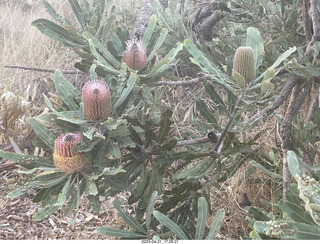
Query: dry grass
{"points": [[22, 44]]}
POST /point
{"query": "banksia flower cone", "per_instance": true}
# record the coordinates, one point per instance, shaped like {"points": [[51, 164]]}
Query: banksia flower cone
{"points": [[244, 63], [135, 55], [65, 159], [96, 100]]}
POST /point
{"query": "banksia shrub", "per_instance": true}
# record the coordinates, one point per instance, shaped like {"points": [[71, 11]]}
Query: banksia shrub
{"points": [[65, 159], [96, 100], [135, 55], [244, 64]]}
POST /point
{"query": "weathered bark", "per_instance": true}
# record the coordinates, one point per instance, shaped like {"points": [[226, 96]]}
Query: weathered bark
{"points": [[207, 18], [306, 20], [144, 16], [285, 133]]}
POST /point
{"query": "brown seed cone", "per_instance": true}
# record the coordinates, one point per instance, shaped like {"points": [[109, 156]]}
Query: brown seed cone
{"points": [[64, 158], [135, 55], [96, 100]]}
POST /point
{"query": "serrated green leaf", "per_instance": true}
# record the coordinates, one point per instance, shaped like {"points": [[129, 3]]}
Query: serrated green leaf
{"points": [[65, 90], [44, 212], [268, 172], [254, 40], [306, 232], [203, 109], [58, 33], [295, 212], [46, 136], [207, 66], [165, 124], [51, 179], [95, 203], [113, 148], [117, 44], [96, 46], [254, 235], [53, 13], [168, 146], [280, 59], [197, 171], [73, 204], [99, 155], [91, 187], [126, 91], [140, 187], [170, 225], [213, 94], [118, 233], [149, 30], [79, 13], [216, 225], [156, 47], [239, 79], [128, 218], [65, 192], [293, 164], [258, 214], [202, 218], [113, 171], [22, 190], [289, 230], [87, 145], [150, 209], [89, 132], [27, 161]]}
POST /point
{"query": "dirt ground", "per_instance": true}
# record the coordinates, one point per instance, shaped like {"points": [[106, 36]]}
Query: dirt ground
{"points": [[16, 217]]}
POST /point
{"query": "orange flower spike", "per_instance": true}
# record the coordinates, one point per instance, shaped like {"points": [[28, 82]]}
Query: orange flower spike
{"points": [[65, 159]]}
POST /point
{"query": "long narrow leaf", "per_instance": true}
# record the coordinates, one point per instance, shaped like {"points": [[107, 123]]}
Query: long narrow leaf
{"points": [[165, 124], [46, 136], [150, 209], [206, 65], [149, 30], [65, 90], [202, 218], [128, 218], [170, 225], [58, 33], [118, 233], [216, 225], [125, 93]]}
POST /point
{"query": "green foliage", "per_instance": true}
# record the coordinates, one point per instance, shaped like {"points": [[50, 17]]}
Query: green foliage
{"points": [[299, 216], [168, 227], [134, 150]]}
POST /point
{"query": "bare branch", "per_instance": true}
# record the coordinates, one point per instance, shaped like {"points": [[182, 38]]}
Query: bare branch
{"points": [[197, 80], [315, 19], [306, 20], [285, 92], [42, 69], [198, 141]]}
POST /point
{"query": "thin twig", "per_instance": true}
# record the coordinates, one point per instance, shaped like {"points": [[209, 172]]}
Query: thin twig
{"points": [[196, 141], [285, 92], [215, 151], [197, 80], [42, 69]]}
